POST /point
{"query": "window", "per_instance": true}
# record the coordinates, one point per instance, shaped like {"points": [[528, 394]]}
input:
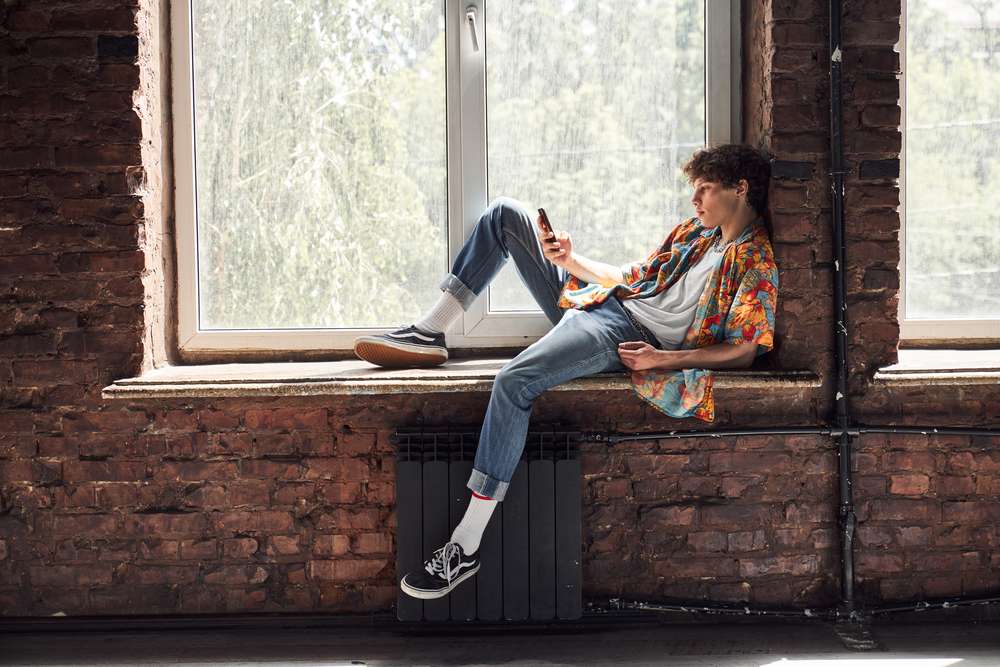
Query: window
{"points": [[951, 170], [331, 157]]}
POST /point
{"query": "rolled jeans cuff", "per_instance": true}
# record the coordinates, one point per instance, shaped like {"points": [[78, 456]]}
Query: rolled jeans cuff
{"points": [[485, 485], [458, 289]]}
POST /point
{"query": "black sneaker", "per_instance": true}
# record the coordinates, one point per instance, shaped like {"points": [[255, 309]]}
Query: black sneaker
{"points": [[448, 568], [403, 348]]}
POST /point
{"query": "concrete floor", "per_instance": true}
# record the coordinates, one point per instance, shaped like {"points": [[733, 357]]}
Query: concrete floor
{"points": [[722, 643]]}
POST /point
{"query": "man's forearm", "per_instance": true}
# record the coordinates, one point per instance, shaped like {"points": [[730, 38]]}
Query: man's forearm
{"points": [[720, 355], [593, 271]]}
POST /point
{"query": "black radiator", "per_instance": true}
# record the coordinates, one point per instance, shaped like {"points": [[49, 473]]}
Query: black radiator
{"points": [[530, 553]]}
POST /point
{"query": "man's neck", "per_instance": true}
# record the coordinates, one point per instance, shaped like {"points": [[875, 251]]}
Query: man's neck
{"points": [[732, 228]]}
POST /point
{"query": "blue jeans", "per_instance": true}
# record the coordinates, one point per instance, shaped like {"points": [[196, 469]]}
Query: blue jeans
{"points": [[582, 342]]}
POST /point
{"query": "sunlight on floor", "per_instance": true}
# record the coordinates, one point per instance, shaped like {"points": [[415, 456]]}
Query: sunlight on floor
{"points": [[865, 662]]}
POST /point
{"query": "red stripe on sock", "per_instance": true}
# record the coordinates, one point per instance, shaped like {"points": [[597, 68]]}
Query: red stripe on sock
{"points": [[479, 496]]}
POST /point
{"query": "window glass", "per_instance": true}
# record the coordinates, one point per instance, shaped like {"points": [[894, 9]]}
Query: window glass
{"points": [[592, 107], [952, 261], [320, 153]]}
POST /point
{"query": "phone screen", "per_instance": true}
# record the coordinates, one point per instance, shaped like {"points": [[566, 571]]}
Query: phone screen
{"points": [[545, 221]]}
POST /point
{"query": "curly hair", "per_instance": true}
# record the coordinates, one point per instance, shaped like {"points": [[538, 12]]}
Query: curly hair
{"points": [[728, 163]]}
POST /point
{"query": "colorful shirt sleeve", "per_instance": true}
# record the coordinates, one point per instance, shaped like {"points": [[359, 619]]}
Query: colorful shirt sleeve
{"points": [[635, 271], [751, 315]]}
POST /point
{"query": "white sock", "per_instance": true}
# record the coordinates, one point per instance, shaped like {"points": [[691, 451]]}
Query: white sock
{"points": [[441, 315], [469, 532]]}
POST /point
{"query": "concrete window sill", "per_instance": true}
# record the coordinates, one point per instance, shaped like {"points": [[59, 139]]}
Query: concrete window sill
{"points": [[360, 377], [941, 366]]}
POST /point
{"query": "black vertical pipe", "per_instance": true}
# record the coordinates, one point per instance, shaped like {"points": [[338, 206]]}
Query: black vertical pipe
{"points": [[846, 507]]}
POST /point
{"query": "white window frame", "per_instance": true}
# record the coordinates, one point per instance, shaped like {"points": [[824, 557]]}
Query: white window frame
{"points": [[926, 330], [466, 117]]}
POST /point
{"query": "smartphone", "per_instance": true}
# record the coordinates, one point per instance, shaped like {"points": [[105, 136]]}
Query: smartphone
{"points": [[545, 222]]}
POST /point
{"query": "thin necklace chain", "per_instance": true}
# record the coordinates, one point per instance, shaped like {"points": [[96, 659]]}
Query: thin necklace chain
{"points": [[717, 247]]}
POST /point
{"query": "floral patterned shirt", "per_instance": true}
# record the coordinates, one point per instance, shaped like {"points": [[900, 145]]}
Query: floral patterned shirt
{"points": [[737, 306]]}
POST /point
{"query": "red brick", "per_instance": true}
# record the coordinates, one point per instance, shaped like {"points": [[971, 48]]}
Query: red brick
{"points": [[794, 59], [71, 576], [905, 509], [249, 492], [111, 155], [355, 571], [157, 549], [119, 75], [885, 141], [372, 543], [700, 568], [62, 47], [872, 89], [95, 20], [287, 419], [870, 564], [109, 420], [30, 103], [283, 545], [269, 469], [240, 547], [344, 519], [27, 158], [870, 33], [913, 536], [331, 545], [909, 484], [105, 101], [27, 20], [794, 9], [785, 34], [265, 520], [869, 196], [749, 462], [910, 461], [145, 574], [971, 512], [100, 262], [217, 420], [195, 470], [345, 470], [872, 59], [117, 495], [707, 541], [341, 492], [805, 512], [881, 116], [84, 525], [165, 524], [112, 471], [355, 443], [798, 565]]}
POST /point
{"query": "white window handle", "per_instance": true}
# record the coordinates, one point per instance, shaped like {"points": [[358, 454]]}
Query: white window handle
{"points": [[470, 18]]}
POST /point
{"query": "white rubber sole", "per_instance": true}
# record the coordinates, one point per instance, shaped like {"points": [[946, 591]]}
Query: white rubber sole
{"points": [[433, 595], [380, 352]]}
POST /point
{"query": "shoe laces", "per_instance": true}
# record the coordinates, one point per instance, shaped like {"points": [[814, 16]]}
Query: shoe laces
{"points": [[441, 562]]}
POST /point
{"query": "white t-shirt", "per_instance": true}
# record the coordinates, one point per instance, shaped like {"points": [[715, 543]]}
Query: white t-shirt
{"points": [[670, 313]]}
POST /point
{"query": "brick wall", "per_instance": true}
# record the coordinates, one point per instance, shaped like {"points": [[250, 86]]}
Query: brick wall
{"points": [[284, 504]]}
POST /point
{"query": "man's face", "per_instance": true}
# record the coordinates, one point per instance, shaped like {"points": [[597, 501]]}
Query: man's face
{"points": [[713, 202]]}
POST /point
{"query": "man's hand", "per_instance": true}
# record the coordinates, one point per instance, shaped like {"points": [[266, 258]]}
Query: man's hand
{"points": [[557, 248], [638, 355]]}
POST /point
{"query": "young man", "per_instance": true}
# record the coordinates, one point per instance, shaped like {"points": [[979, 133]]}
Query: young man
{"points": [[703, 299]]}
